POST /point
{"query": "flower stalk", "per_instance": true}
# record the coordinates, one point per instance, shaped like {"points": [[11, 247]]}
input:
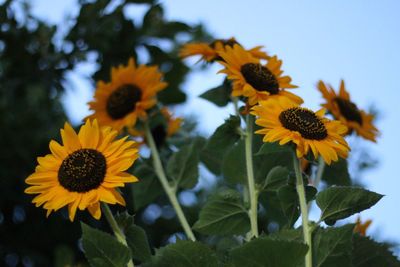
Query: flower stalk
{"points": [[320, 171], [116, 229], [250, 175], [304, 210], [168, 188]]}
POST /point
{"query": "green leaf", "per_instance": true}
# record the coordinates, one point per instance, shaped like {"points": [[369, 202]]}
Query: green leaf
{"points": [[224, 137], [339, 202], [368, 253], [332, 246], [220, 95], [270, 148], [183, 165], [337, 173], [147, 189], [290, 201], [184, 254], [138, 243], [269, 252], [102, 249], [277, 177], [223, 214], [234, 164]]}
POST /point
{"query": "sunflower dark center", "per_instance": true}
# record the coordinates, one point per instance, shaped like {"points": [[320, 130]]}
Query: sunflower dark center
{"points": [[82, 170], [159, 134], [349, 110], [261, 78], [123, 101], [305, 122]]}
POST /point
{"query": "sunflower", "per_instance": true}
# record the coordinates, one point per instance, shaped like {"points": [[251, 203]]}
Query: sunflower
{"points": [[361, 227], [210, 51], [130, 93], [254, 80], [285, 121], [347, 112], [85, 170], [166, 128], [173, 123]]}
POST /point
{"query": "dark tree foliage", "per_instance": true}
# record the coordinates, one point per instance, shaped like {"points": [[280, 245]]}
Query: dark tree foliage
{"points": [[33, 68]]}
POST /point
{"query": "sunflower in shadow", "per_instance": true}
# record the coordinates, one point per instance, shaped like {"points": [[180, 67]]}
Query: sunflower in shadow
{"points": [[209, 52], [284, 121], [84, 171], [343, 109], [131, 91], [161, 127], [254, 80]]}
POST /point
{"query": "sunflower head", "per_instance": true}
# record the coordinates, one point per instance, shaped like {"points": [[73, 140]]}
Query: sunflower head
{"points": [[131, 91], [209, 52], [361, 227], [254, 80], [86, 169], [343, 109], [161, 127], [284, 121]]}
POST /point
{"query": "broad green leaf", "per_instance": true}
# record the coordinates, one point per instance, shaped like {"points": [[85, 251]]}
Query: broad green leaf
{"points": [[219, 143], [147, 189], [220, 95], [183, 166], [339, 202], [262, 252], [369, 253], [234, 164], [337, 173], [184, 254], [102, 249], [290, 201], [223, 214], [138, 243], [332, 246], [277, 177], [270, 148]]}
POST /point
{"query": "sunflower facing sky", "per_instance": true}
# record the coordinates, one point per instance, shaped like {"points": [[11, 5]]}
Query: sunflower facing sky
{"points": [[254, 80], [347, 112], [284, 121], [131, 91], [85, 170], [210, 51]]}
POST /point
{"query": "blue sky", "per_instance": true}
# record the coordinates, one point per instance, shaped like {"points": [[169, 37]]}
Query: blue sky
{"points": [[355, 40]]}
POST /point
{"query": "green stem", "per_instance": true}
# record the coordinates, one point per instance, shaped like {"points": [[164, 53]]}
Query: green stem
{"points": [[169, 190], [235, 105], [320, 171], [304, 209], [318, 176], [250, 175], [114, 226]]}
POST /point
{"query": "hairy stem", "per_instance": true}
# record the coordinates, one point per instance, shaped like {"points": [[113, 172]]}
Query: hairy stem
{"points": [[169, 190], [250, 175], [114, 226], [304, 209]]}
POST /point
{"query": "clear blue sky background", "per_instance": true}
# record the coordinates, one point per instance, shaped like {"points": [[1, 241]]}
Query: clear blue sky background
{"points": [[356, 40]]}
